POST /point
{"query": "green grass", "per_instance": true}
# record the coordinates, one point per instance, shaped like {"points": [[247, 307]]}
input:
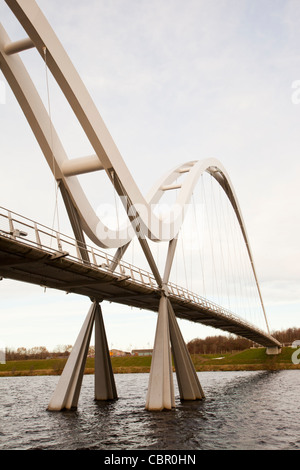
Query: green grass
{"points": [[250, 358], [55, 366], [256, 356], [134, 361], [33, 365]]}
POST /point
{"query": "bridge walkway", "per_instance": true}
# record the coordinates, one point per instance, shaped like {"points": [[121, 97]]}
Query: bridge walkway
{"points": [[24, 257]]}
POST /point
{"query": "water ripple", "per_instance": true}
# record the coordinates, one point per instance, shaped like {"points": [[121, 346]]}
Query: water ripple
{"points": [[242, 410]]}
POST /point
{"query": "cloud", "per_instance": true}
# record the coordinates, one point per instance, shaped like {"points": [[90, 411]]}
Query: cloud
{"points": [[176, 81]]}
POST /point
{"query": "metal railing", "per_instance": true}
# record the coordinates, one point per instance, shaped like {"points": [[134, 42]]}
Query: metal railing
{"points": [[33, 234]]}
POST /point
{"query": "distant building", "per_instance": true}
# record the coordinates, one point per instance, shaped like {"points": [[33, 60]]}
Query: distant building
{"points": [[142, 352], [118, 353], [296, 344]]}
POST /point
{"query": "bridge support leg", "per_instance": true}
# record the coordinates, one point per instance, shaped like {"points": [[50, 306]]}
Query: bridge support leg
{"points": [[273, 351], [161, 387], [66, 394], [105, 388], [68, 388], [188, 382]]}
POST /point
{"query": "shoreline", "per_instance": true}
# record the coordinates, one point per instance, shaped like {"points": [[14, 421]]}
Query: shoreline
{"points": [[146, 370], [247, 360]]}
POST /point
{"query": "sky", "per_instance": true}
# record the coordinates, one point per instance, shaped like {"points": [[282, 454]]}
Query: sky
{"points": [[174, 81]]}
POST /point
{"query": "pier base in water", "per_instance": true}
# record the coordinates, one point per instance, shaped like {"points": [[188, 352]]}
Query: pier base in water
{"points": [[161, 387], [67, 392], [160, 394], [105, 388]]}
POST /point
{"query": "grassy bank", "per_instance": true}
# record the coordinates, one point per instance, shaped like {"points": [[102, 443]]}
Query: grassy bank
{"points": [[55, 366], [250, 359]]}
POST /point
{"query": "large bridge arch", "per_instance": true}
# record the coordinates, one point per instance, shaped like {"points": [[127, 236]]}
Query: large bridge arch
{"points": [[107, 156]]}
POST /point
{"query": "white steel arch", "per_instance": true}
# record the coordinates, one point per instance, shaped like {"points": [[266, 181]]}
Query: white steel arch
{"points": [[143, 221], [107, 156]]}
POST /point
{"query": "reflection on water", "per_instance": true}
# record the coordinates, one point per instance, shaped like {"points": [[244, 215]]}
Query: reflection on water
{"points": [[242, 410]]}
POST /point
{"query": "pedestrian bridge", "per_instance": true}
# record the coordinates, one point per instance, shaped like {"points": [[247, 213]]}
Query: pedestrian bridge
{"points": [[33, 253]]}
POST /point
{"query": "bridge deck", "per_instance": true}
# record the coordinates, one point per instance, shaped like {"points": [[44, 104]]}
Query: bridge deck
{"points": [[21, 260]]}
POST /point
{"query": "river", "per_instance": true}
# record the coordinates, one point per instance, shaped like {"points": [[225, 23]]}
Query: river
{"points": [[243, 410]]}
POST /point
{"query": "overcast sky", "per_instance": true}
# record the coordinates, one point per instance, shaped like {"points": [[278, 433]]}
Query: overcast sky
{"points": [[174, 81]]}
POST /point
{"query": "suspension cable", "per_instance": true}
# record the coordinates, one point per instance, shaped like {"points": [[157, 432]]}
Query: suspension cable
{"points": [[214, 278], [220, 243], [198, 244], [116, 202], [56, 212], [183, 255]]}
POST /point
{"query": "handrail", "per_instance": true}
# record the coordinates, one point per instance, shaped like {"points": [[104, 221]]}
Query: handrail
{"points": [[16, 225]]}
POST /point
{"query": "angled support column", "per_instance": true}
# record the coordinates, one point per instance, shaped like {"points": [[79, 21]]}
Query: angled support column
{"points": [[75, 222], [161, 387], [67, 391], [188, 382], [66, 395], [105, 388]]}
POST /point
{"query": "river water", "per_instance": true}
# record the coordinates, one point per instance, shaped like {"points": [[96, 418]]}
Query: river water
{"points": [[242, 410]]}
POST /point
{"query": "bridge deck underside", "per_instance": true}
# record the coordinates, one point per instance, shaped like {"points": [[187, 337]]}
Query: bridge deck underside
{"points": [[24, 263]]}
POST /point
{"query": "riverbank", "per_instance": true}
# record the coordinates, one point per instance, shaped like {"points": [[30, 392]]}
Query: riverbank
{"points": [[250, 359]]}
